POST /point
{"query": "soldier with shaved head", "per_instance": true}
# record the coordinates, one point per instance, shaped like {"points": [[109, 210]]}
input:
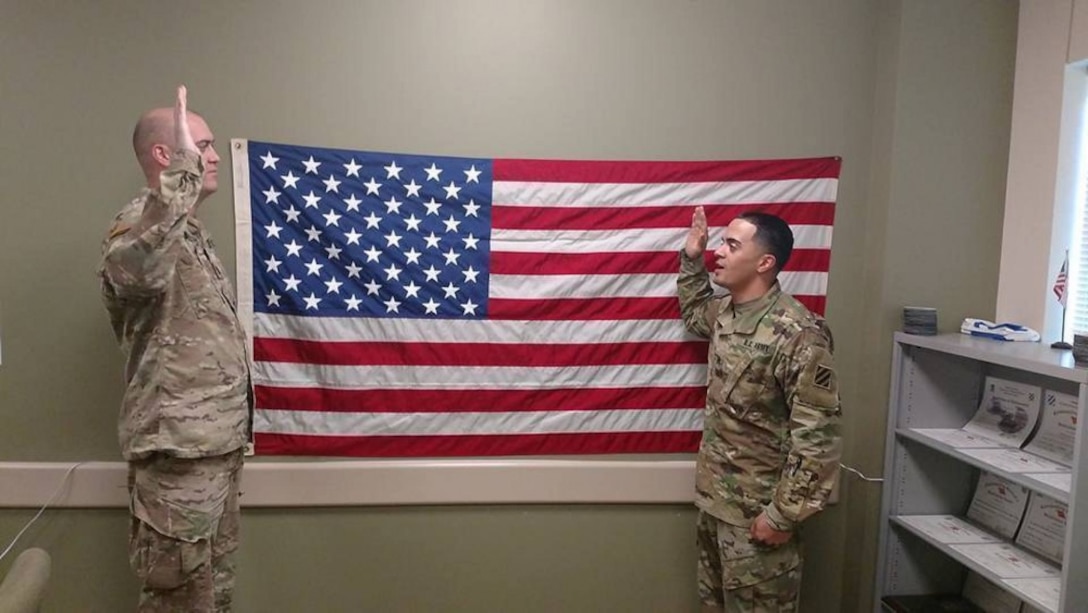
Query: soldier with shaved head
{"points": [[769, 455], [186, 413]]}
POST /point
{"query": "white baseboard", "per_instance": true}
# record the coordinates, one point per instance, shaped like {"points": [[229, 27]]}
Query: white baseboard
{"points": [[364, 483]]}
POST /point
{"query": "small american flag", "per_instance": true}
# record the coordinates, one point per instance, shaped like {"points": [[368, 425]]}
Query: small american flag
{"points": [[1059, 282], [411, 305]]}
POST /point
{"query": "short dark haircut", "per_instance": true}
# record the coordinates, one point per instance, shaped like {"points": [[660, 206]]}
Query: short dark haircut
{"points": [[774, 234]]}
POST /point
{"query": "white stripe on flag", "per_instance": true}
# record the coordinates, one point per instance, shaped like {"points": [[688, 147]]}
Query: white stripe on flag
{"points": [[289, 374], [516, 193], [622, 241], [541, 287], [453, 424], [467, 331]]}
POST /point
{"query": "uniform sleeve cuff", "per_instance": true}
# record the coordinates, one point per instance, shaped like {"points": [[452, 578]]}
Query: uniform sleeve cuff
{"points": [[777, 520], [690, 264], [188, 160]]}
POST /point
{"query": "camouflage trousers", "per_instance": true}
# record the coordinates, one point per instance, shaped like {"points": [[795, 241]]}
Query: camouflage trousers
{"points": [[738, 575], [184, 531]]}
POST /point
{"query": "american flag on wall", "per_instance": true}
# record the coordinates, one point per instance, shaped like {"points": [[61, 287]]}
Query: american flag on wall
{"points": [[413, 305]]}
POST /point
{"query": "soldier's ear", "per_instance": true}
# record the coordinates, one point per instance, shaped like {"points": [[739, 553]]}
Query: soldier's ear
{"points": [[161, 154], [767, 263]]}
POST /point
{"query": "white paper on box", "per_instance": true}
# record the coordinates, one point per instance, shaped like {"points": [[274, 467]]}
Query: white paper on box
{"points": [[948, 529], [1008, 411], [1015, 460], [989, 596], [1057, 428], [1043, 530], [998, 504], [1060, 481], [957, 437], [1044, 591], [1007, 561]]}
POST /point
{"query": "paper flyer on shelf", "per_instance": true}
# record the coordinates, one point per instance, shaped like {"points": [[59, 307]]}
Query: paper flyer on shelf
{"points": [[998, 504], [1008, 411], [1057, 428], [1043, 529]]}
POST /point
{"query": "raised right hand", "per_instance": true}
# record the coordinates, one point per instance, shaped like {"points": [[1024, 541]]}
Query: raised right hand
{"points": [[695, 246], [183, 139]]}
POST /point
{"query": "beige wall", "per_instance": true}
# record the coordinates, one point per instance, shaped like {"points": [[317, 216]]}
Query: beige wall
{"points": [[1047, 125], [1034, 215], [915, 96]]}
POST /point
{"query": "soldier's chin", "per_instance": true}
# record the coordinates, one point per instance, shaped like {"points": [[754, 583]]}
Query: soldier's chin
{"points": [[718, 277]]}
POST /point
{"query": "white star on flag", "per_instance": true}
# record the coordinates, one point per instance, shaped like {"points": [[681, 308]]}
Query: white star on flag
{"points": [[452, 191], [271, 195], [311, 165], [472, 174], [332, 219], [312, 200], [313, 268]]}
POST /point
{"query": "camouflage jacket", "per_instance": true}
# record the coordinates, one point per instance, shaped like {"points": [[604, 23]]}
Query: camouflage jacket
{"points": [[771, 432], [173, 312]]}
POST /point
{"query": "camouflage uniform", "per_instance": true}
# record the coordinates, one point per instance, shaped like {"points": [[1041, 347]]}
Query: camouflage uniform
{"points": [[184, 531], [771, 440], [186, 411]]}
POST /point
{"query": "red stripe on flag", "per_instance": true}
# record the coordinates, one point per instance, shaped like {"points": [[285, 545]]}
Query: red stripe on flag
{"points": [[562, 171], [478, 400], [625, 218], [582, 309], [477, 445], [642, 262], [363, 353]]}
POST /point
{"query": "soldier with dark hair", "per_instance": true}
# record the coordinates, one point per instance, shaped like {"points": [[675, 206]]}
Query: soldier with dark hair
{"points": [[185, 416], [770, 450]]}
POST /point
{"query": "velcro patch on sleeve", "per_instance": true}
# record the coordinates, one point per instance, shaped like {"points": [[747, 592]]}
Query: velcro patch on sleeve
{"points": [[118, 230]]}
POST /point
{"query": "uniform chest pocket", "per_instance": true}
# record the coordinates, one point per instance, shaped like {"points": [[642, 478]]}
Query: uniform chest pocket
{"points": [[740, 377], [726, 369]]}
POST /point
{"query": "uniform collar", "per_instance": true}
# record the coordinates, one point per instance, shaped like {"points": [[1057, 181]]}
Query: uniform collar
{"points": [[745, 318], [194, 226]]}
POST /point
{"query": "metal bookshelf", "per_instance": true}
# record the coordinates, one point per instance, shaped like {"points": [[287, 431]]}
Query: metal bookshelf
{"points": [[937, 383]]}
